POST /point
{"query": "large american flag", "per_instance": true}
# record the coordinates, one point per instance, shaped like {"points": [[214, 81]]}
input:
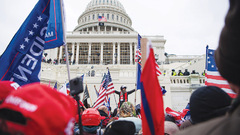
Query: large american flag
{"points": [[106, 89], [212, 76]]}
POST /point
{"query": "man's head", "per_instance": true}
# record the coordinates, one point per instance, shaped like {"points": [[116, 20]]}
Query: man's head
{"points": [[123, 88], [91, 119], [227, 55], [103, 108], [207, 103]]}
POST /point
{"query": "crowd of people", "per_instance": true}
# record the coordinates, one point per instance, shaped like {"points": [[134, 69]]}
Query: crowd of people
{"points": [[39, 109]]}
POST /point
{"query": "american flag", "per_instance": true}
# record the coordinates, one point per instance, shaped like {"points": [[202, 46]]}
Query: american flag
{"points": [[178, 116], [138, 56], [106, 89], [102, 19], [212, 76]]}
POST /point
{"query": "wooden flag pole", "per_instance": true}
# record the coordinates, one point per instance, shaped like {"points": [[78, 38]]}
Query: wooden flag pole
{"points": [[89, 94], [144, 50]]}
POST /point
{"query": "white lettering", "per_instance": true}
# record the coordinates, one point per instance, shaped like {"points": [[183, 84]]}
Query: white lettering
{"points": [[23, 75], [48, 34], [38, 46], [30, 59], [17, 101], [42, 33], [15, 85]]}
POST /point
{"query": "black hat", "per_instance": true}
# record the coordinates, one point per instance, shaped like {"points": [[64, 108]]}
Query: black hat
{"points": [[208, 102], [120, 127], [227, 55]]}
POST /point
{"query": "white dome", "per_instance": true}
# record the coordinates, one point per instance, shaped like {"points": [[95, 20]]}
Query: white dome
{"points": [[112, 10], [113, 3]]}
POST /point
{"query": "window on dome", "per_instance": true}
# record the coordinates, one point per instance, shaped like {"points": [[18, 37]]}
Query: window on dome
{"points": [[107, 1], [99, 1], [108, 16], [112, 16], [103, 1], [111, 2], [124, 53], [96, 1]]}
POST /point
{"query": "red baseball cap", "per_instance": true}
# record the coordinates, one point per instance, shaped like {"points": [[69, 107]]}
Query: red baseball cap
{"points": [[91, 117], [6, 87], [40, 110]]}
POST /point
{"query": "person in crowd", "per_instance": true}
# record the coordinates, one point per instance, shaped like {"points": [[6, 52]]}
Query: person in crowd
{"points": [[227, 58], [170, 128], [174, 72], [103, 110], [37, 109], [123, 94], [180, 73], [120, 127], [186, 73], [127, 112], [208, 102], [193, 72], [91, 120]]}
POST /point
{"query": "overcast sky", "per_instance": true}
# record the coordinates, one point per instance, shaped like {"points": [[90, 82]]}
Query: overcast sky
{"points": [[187, 25]]}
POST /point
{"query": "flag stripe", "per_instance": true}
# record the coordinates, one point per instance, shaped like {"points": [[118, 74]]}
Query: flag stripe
{"points": [[212, 76]]}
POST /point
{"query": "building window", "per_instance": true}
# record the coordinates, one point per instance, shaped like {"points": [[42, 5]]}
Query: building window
{"points": [[95, 53], [85, 19], [93, 17], [103, 1], [107, 53], [111, 2], [97, 16], [121, 19], [124, 20], [107, 16], [112, 16], [124, 53], [117, 18], [107, 1], [83, 53], [99, 1], [102, 14], [89, 18], [96, 1]]}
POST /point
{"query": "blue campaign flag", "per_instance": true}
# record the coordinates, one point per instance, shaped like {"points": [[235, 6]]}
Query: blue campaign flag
{"points": [[55, 34], [138, 60], [21, 61]]}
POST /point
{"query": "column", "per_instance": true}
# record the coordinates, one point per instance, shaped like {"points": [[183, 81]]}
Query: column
{"points": [[118, 56], [89, 52], [60, 54], [131, 62], [93, 28], [87, 29], [105, 28], [113, 54], [77, 54], [101, 60], [111, 28], [73, 49]]}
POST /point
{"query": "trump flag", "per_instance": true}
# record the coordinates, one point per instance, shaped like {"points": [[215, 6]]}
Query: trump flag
{"points": [[152, 101], [21, 61]]}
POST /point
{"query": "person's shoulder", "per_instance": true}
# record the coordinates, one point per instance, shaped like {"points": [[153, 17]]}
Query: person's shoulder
{"points": [[211, 127]]}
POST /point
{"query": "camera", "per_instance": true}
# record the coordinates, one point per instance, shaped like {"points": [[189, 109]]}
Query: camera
{"points": [[76, 86]]}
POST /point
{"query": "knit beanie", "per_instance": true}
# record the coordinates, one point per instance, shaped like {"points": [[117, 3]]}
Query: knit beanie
{"points": [[208, 102], [227, 54]]}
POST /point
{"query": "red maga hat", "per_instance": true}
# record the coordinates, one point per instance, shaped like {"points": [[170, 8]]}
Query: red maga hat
{"points": [[6, 87], [38, 109]]}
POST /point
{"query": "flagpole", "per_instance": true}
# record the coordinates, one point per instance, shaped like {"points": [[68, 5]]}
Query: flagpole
{"points": [[89, 94], [135, 100]]}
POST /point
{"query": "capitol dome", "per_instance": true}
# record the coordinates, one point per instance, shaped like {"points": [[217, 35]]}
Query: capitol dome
{"points": [[112, 10]]}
